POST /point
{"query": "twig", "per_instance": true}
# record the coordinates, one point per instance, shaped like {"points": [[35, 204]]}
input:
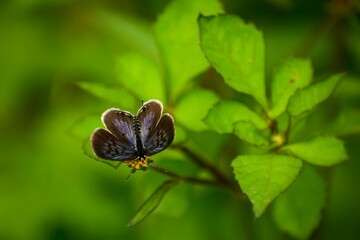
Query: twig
{"points": [[184, 178], [287, 131], [221, 179]]}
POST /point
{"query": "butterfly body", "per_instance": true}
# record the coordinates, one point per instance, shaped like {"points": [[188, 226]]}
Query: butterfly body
{"points": [[132, 139], [140, 151]]}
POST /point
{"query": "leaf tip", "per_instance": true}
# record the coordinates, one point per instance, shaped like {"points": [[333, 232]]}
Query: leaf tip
{"points": [[130, 224]]}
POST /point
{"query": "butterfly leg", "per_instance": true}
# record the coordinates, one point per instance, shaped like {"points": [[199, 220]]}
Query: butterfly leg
{"points": [[131, 173]]}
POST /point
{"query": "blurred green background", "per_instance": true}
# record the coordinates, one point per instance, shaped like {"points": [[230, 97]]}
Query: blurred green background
{"points": [[50, 190]]}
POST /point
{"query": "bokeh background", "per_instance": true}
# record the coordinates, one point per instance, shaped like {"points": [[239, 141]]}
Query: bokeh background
{"points": [[50, 190]]}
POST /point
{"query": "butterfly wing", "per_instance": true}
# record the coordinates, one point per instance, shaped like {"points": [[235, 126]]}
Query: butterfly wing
{"points": [[149, 115], [118, 143], [161, 137], [105, 145], [120, 124]]}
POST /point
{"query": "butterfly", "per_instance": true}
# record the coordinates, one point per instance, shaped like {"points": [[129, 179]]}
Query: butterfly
{"points": [[132, 139]]}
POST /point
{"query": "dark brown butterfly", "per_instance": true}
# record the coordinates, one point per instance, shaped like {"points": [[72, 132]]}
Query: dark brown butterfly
{"points": [[132, 139]]}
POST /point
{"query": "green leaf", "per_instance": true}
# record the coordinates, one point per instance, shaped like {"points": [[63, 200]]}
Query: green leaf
{"points": [[248, 132], [152, 202], [83, 127], [225, 114], [323, 150], [112, 94], [346, 123], [179, 197], [129, 32], [141, 76], [308, 98], [208, 145], [297, 214], [236, 50], [193, 107], [82, 130], [264, 177], [177, 34], [290, 76]]}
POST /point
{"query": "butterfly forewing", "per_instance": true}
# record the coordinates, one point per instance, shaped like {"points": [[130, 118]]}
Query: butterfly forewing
{"points": [[120, 124], [107, 146], [162, 136], [149, 115]]}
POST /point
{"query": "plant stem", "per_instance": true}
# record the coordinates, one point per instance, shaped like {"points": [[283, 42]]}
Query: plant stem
{"points": [[202, 163], [184, 178], [288, 129], [273, 126]]}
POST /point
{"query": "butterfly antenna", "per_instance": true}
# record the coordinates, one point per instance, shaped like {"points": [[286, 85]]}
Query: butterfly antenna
{"points": [[142, 101]]}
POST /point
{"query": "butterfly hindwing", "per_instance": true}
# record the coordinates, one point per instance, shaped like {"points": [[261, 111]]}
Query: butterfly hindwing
{"points": [[161, 137], [149, 115], [105, 145]]}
